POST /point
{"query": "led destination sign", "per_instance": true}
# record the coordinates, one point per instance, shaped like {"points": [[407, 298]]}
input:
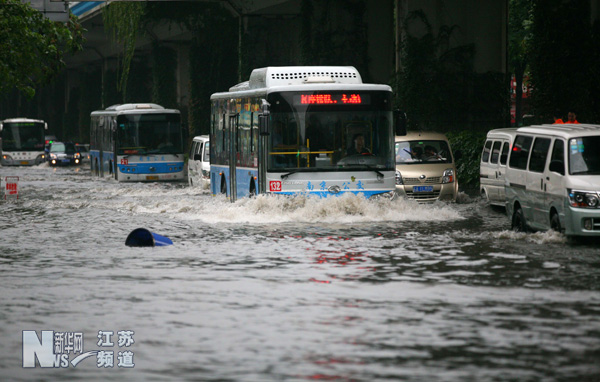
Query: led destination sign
{"points": [[332, 99]]}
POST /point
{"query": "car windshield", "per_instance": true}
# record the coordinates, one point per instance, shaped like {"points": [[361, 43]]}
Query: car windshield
{"points": [[584, 156], [59, 147], [422, 151]]}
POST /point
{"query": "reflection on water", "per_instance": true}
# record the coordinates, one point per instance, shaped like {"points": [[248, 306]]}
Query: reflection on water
{"points": [[292, 288]]}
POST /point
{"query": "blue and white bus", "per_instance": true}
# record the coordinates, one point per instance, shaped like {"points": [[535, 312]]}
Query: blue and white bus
{"points": [[137, 142], [303, 130], [22, 142]]}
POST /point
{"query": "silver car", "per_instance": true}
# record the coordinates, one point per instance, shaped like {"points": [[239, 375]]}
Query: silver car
{"points": [[425, 169]]}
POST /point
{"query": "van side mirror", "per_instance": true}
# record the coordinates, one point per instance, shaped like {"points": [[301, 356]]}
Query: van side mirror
{"points": [[263, 118], [400, 122], [557, 166]]}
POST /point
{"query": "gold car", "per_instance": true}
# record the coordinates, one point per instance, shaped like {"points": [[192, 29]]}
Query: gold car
{"points": [[425, 169]]}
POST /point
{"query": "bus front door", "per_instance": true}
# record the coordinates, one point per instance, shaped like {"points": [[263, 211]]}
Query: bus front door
{"points": [[233, 130]]}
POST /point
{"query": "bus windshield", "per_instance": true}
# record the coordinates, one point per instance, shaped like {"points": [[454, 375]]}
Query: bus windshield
{"points": [[23, 136], [323, 131], [584, 156], [149, 134]]}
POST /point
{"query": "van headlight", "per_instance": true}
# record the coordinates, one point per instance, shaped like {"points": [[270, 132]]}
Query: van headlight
{"points": [[583, 199], [390, 195], [398, 177], [448, 176]]}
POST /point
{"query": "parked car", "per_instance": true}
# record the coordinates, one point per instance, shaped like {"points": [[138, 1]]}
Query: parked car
{"points": [[425, 169], [84, 152], [63, 153], [553, 179], [492, 167], [199, 162]]}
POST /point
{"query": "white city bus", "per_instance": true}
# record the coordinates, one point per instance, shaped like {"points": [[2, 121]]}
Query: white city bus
{"points": [[22, 141], [137, 142], [302, 130]]}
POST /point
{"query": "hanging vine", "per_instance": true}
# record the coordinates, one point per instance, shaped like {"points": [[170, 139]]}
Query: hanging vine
{"points": [[123, 19]]}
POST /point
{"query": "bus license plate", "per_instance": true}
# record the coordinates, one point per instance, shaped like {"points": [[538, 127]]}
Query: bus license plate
{"points": [[152, 177], [423, 189]]}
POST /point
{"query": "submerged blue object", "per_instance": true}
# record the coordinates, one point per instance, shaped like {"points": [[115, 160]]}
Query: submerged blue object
{"points": [[141, 237]]}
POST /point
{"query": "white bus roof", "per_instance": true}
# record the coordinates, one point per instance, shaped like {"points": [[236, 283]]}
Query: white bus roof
{"points": [[17, 120], [134, 108], [300, 78], [566, 130]]}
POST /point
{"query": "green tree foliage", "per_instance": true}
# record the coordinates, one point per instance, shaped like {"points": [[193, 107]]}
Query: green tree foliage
{"points": [[564, 60], [469, 143], [334, 32], [32, 47], [435, 82], [519, 38], [123, 19]]}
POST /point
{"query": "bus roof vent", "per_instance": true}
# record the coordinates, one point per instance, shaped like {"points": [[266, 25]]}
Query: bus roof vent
{"points": [[137, 106], [298, 75]]}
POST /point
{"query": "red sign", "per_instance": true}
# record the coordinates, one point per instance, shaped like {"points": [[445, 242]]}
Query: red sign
{"points": [[332, 99], [275, 185], [11, 188]]}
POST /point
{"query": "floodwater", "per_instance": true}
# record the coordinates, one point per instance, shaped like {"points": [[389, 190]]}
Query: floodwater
{"points": [[288, 289]]}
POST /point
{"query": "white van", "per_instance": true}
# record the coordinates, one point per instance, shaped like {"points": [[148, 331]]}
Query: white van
{"points": [[553, 179], [492, 167], [199, 162]]}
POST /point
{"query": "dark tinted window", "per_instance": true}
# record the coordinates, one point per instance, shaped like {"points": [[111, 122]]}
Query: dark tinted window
{"points": [[504, 155], [520, 152], [485, 156], [495, 152], [539, 153]]}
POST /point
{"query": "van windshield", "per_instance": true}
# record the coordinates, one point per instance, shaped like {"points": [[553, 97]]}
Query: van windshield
{"points": [[422, 151], [584, 156]]}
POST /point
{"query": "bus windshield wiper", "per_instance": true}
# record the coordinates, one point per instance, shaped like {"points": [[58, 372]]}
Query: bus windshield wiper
{"points": [[284, 176]]}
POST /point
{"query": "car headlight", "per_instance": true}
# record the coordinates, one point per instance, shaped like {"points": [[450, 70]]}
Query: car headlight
{"points": [[53, 156], [448, 176], [398, 177], [583, 199]]}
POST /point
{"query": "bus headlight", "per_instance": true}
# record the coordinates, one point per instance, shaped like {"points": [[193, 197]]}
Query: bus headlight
{"points": [[583, 199], [398, 177], [6, 157], [448, 176]]}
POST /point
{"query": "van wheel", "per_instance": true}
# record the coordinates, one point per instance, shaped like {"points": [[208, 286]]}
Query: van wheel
{"points": [[555, 223], [518, 221]]}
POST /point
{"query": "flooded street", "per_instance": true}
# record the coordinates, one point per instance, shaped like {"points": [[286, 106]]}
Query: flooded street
{"points": [[272, 289]]}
